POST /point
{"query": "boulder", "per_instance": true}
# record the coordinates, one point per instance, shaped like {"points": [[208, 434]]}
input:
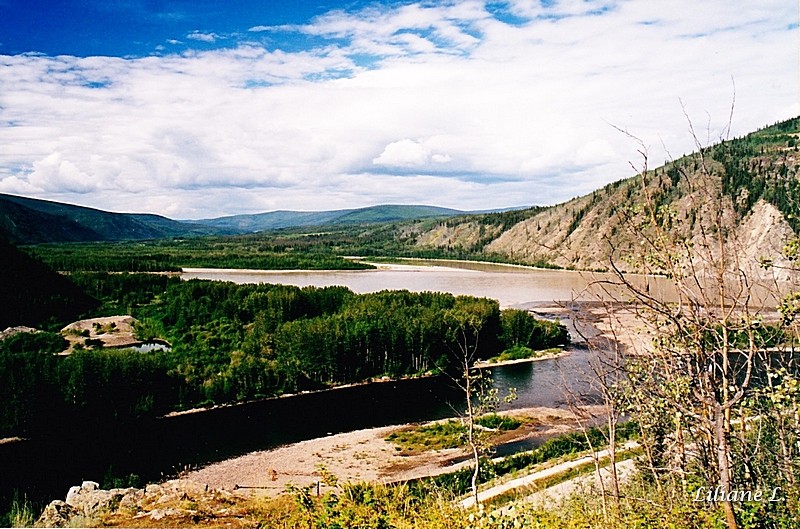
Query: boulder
{"points": [[131, 499], [57, 514], [159, 514], [89, 499]]}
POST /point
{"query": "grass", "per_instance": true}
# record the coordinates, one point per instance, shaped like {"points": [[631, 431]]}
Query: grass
{"points": [[22, 513], [449, 434], [436, 436], [499, 422]]}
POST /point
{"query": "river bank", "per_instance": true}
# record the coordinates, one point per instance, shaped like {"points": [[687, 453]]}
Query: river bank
{"points": [[366, 455]]}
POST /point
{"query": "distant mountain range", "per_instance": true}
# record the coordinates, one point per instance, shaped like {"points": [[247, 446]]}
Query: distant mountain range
{"points": [[289, 219], [32, 221]]}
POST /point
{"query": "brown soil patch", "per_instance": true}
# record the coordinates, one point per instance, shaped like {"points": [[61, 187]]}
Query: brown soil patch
{"points": [[112, 331]]}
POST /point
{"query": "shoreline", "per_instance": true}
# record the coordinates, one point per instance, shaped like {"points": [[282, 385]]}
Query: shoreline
{"points": [[567, 350], [381, 380], [366, 455]]}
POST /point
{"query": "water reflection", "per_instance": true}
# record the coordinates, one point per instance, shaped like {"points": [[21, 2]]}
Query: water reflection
{"points": [[547, 383], [147, 347]]}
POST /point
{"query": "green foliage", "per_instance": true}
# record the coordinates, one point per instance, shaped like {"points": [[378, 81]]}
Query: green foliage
{"points": [[520, 328], [32, 294], [22, 513], [459, 482], [28, 380], [231, 343], [516, 352], [757, 167], [502, 219], [740, 336], [106, 385], [44, 342], [362, 505], [436, 436], [173, 255], [112, 481], [498, 422]]}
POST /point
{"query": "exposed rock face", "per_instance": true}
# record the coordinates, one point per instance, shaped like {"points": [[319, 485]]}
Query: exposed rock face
{"points": [[88, 502], [112, 331], [11, 331], [57, 514], [464, 235], [743, 189]]}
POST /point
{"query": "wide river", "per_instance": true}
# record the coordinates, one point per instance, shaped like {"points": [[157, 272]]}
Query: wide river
{"points": [[512, 286]]}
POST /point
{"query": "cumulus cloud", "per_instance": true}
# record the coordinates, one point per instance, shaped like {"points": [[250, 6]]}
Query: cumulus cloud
{"points": [[409, 153], [512, 101]]}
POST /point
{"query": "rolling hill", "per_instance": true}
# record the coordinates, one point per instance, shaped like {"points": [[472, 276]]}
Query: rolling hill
{"points": [[290, 219], [31, 221]]}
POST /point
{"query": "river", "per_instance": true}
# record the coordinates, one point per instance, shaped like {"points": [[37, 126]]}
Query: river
{"points": [[512, 286], [43, 468]]}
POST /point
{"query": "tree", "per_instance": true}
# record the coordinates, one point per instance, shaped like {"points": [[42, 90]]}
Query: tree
{"points": [[466, 323], [713, 333]]}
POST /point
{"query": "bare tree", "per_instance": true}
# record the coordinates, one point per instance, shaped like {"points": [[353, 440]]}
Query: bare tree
{"points": [[707, 340], [465, 325]]}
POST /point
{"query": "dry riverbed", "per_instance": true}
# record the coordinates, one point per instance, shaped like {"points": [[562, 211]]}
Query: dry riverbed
{"points": [[362, 455]]}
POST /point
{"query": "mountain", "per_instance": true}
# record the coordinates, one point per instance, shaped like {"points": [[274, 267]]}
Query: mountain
{"points": [[31, 221], [289, 219], [753, 178]]}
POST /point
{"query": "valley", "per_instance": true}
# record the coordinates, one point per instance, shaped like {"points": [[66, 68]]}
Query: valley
{"points": [[677, 286]]}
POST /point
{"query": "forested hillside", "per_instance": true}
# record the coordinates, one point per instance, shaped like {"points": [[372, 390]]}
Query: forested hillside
{"points": [[34, 295], [30, 221]]}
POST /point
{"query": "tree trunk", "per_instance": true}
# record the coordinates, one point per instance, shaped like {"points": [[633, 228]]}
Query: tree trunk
{"points": [[471, 434], [723, 465]]}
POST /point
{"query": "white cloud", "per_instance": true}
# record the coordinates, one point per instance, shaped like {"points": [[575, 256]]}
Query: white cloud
{"points": [[409, 153], [395, 105], [203, 37]]}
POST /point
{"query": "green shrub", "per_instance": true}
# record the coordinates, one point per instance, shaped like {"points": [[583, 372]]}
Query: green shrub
{"points": [[437, 436], [499, 422]]}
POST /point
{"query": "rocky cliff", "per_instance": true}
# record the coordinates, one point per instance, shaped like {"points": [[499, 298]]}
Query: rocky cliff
{"points": [[748, 187]]}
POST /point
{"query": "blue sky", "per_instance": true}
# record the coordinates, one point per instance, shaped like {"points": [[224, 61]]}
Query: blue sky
{"points": [[196, 109], [136, 28]]}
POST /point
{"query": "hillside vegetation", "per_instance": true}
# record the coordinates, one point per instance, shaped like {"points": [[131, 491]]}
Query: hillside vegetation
{"points": [[32, 294], [756, 175]]}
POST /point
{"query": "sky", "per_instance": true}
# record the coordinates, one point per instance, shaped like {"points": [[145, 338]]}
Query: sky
{"points": [[199, 109]]}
